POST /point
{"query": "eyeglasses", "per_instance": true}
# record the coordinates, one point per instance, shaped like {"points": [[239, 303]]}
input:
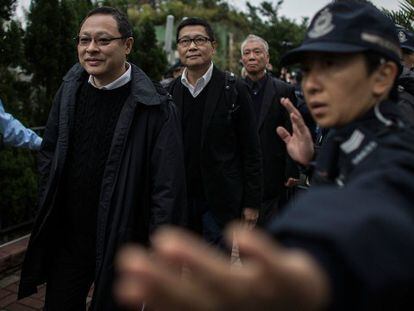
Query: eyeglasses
{"points": [[198, 41], [101, 41]]}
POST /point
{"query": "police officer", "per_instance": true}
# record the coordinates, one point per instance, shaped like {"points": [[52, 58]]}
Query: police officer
{"points": [[406, 79], [344, 245]]}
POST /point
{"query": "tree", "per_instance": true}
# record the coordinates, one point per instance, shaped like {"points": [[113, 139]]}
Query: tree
{"points": [[6, 8], [146, 54], [17, 177], [281, 33], [49, 49], [405, 16]]}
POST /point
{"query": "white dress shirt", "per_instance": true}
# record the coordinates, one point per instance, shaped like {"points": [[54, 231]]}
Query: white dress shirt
{"points": [[122, 80], [200, 84]]}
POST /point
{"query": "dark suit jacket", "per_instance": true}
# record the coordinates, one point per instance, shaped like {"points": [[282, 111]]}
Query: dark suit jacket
{"points": [[277, 165], [230, 152]]}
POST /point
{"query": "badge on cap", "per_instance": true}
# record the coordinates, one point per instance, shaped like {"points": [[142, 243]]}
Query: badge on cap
{"points": [[322, 25], [402, 36]]}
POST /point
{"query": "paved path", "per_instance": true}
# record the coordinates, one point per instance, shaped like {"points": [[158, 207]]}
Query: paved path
{"points": [[8, 296]]}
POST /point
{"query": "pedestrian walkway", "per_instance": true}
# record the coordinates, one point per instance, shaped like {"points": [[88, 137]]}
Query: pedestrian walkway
{"points": [[11, 257], [8, 296]]}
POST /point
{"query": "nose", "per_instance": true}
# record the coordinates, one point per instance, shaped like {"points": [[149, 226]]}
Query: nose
{"points": [[251, 56], [192, 45], [311, 82], [93, 46]]}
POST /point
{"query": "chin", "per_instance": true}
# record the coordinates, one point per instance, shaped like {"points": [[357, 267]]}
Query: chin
{"points": [[196, 66], [93, 71]]}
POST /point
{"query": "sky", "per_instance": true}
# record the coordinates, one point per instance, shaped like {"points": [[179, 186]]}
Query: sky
{"points": [[295, 9]]}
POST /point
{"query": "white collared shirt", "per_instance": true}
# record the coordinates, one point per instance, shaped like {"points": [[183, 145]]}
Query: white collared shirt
{"points": [[200, 84], [121, 81]]}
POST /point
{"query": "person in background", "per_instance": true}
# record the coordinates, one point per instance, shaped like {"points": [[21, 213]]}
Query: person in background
{"points": [[172, 73], [406, 79], [266, 92], [347, 244], [14, 133]]}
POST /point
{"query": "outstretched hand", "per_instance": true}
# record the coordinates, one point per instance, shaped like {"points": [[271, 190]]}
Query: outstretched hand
{"points": [[271, 278], [299, 144]]}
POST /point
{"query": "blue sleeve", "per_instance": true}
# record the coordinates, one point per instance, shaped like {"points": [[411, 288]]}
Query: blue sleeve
{"points": [[16, 134]]}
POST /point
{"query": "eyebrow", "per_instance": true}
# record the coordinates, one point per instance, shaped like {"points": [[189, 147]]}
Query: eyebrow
{"points": [[87, 33], [194, 35]]}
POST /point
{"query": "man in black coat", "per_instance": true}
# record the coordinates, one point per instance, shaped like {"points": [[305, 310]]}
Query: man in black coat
{"points": [[406, 79], [111, 167], [221, 147], [266, 92]]}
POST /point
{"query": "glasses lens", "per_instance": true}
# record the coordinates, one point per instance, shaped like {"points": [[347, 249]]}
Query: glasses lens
{"points": [[200, 40], [103, 41], [84, 40], [184, 42]]}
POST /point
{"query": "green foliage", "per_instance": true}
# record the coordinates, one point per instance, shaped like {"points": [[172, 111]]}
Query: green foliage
{"points": [[18, 186], [49, 48], [146, 54], [6, 8], [405, 16], [280, 32], [17, 177]]}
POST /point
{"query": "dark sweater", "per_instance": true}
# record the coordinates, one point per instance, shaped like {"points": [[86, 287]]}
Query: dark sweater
{"points": [[193, 111], [256, 90], [96, 115]]}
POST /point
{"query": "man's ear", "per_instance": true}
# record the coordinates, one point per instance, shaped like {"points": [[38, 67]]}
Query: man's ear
{"points": [[129, 43], [214, 45], [384, 78]]}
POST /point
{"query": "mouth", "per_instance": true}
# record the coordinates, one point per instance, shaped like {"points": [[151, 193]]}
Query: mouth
{"points": [[318, 108], [93, 61], [193, 56]]}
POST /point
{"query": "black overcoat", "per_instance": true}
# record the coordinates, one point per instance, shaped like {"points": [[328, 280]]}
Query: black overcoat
{"points": [[230, 151], [143, 184], [277, 165]]}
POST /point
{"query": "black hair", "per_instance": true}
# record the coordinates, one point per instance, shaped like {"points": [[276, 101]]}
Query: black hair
{"points": [[194, 21], [372, 61], [406, 51], [124, 27]]}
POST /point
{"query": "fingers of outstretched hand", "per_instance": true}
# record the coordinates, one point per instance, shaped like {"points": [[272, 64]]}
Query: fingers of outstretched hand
{"points": [[204, 261], [255, 244], [146, 279], [299, 125], [293, 277], [283, 134], [134, 275], [286, 102]]}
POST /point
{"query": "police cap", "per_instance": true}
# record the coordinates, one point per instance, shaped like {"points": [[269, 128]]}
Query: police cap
{"points": [[406, 38], [349, 27]]}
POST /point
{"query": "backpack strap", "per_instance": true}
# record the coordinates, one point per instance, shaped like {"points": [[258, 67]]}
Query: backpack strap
{"points": [[231, 94]]}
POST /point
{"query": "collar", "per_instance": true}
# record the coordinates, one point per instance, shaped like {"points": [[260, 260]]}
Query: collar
{"points": [[256, 86], [201, 82], [355, 140], [382, 115], [121, 81]]}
